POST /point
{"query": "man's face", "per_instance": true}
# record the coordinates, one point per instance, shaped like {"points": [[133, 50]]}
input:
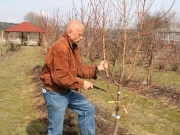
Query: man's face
{"points": [[76, 35]]}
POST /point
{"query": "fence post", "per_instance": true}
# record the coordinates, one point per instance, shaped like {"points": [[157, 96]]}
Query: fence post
{"points": [[2, 43]]}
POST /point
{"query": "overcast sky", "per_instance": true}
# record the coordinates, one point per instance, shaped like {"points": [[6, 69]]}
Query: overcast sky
{"points": [[13, 11]]}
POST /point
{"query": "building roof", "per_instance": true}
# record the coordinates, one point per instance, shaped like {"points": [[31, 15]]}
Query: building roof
{"points": [[25, 27]]}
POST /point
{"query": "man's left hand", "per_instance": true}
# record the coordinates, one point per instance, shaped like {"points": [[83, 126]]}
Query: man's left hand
{"points": [[103, 65]]}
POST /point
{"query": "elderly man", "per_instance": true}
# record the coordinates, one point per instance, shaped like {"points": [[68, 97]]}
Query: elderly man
{"points": [[62, 76]]}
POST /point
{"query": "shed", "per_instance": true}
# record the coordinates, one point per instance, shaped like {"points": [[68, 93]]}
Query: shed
{"points": [[26, 27]]}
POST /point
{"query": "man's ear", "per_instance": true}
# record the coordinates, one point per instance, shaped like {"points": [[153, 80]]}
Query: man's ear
{"points": [[69, 32]]}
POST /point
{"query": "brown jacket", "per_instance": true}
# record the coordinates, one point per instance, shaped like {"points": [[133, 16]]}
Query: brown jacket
{"points": [[63, 67]]}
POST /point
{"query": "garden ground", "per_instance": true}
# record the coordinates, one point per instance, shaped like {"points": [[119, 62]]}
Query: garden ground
{"points": [[23, 110]]}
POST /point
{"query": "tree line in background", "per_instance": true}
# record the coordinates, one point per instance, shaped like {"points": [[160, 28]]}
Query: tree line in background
{"points": [[124, 32], [6, 25]]}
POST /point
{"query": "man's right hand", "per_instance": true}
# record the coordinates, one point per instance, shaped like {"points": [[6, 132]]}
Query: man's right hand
{"points": [[87, 85]]}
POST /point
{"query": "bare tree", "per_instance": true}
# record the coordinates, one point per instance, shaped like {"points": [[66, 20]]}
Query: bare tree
{"points": [[53, 25], [32, 17]]}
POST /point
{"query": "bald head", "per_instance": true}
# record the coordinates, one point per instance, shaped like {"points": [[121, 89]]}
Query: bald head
{"points": [[75, 30], [74, 25]]}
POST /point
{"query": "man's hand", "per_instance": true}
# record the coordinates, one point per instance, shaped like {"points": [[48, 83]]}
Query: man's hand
{"points": [[103, 65], [87, 85]]}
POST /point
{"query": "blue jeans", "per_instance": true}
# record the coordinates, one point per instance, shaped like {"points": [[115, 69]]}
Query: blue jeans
{"points": [[56, 105]]}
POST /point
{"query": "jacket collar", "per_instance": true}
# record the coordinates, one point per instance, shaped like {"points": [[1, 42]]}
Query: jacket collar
{"points": [[73, 46]]}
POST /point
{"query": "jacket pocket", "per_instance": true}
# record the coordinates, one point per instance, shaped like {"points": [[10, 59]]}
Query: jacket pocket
{"points": [[46, 78]]}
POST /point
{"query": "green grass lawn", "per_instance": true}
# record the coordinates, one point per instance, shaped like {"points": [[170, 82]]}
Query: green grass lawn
{"points": [[166, 78], [16, 92]]}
